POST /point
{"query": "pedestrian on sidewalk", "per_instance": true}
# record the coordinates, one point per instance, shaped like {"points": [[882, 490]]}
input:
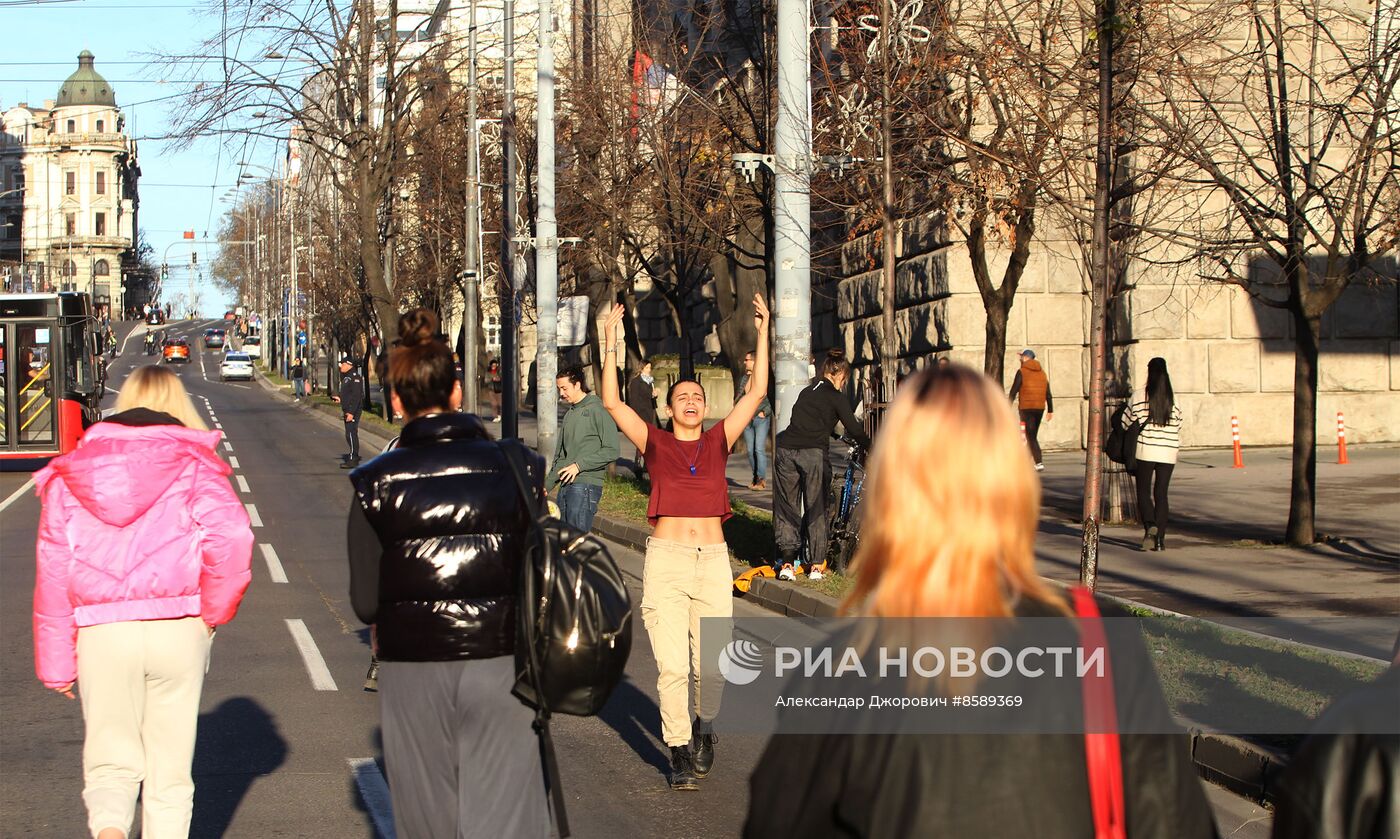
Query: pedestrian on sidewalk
{"points": [[298, 378], [1157, 445], [641, 398], [756, 432], [587, 447], [352, 403], [686, 577], [143, 550], [1031, 391], [493, 387], [950, 524], [461, 753], [802, 472]]}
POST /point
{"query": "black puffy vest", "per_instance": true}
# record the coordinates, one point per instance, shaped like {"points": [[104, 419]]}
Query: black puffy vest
{"points": [[453, 529]]}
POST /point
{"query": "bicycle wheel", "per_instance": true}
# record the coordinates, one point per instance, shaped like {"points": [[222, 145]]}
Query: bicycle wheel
{"points": [[846, 551]]}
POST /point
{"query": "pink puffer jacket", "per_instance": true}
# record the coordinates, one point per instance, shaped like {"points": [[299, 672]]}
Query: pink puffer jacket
{"points": [[138, 523]]}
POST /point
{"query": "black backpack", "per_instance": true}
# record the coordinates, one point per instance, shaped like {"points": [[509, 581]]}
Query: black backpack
{"points": [[574, 624], [1121, 445]]}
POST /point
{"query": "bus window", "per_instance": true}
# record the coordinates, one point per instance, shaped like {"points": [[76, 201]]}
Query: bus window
{"points": [[4, 392], [37, 414], [79, 358]]}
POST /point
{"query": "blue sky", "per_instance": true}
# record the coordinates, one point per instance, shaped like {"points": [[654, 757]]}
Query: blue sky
{"points": [[179, 191]]}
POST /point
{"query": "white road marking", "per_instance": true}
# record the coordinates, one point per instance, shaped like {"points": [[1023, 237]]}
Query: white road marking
{"points": [[113, 390], [218, 425], [241, 387], [242, 484], [375, 793], [274, 565], [253, 515], [233, 461], [311, 656], [14, 496], [228, 447]]}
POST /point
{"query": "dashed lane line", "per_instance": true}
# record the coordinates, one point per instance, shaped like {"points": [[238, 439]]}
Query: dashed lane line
{"points": [[228, 447], [375, 793], [14, 496], [253, 515], [242, 483], [233, 461], [274, 565], [311, 656]]}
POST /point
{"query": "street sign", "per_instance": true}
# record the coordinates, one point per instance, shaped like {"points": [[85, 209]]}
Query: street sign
{"points": [[573, 321]]}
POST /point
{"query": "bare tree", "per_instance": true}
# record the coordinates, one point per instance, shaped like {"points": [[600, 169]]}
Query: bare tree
{"points": [[1293, 133]]}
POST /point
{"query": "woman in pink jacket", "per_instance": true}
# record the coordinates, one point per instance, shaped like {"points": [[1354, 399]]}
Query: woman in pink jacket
{"points": [[143, 550]]}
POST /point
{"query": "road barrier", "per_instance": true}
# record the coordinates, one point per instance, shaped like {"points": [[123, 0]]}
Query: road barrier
{"points": [[1235, 439], [1341, 439]]}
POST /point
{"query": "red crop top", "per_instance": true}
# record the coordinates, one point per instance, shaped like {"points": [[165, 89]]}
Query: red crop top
{"points": [[676, 489]]}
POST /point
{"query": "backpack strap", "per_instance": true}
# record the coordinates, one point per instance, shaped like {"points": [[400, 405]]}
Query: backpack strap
{"points": [[516, 460], [1102, 755]]}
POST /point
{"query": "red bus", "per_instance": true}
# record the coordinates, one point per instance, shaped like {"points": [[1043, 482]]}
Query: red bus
{"points": [[49, 376]]}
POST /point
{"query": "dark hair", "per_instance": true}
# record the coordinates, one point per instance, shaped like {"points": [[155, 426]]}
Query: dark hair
{"points": [[421, 371], [573, 374], [1160, 398], [835, 364], [670, 391]]}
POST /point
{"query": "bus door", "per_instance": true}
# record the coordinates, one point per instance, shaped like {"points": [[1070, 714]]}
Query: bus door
{"points": [[28, 398]]}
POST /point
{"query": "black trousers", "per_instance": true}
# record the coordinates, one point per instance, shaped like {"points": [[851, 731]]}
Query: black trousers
{"points": [[1152, 481], [352, 436], [802, 478], [1032, 420]]}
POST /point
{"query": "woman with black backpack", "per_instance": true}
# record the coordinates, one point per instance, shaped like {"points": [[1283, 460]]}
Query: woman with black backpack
{"points": [[435, 554], [1154, 409]]}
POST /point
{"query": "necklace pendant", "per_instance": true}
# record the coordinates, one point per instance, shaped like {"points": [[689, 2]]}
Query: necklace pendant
{"points": [[692, 470]]}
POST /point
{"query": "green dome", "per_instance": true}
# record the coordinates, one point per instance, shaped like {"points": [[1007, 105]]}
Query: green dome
{"points": [[86, 86]]}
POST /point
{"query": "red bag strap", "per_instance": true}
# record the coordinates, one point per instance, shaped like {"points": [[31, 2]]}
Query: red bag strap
{"points": [[1102, 755]]}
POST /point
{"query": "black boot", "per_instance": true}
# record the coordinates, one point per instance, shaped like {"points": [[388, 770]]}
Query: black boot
{"points": [[702, 746], [683, 769], [1149, 539], [372, 677], [1161, 541]]}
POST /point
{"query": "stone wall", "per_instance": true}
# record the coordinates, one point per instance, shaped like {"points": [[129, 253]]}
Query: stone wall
{"points": [[1227, 355]]}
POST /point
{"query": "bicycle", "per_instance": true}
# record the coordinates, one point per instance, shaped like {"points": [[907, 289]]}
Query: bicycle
{"points": [[843, 530]]}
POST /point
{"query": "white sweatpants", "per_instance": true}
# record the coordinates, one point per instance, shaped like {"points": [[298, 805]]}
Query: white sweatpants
{"points": [[140, 683]]}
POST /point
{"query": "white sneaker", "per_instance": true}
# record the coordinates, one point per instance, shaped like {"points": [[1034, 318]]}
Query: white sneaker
{"points": [[815, 573], [1040, 467], [786, 573]]}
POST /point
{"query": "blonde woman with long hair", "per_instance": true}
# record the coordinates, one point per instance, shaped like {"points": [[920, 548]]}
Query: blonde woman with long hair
{"points": [[143, 550], [950, 518]]}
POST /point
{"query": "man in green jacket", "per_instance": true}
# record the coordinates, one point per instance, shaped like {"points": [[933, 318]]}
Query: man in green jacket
{"points": [[587, 446]]}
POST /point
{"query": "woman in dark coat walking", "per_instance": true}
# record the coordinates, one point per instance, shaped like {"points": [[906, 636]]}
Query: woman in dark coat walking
{"points": [[435, 551], [951, 513]]}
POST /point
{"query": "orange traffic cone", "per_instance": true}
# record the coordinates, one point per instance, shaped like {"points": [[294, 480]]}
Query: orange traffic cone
{"points": [[1235, 439], [1341, 439]]}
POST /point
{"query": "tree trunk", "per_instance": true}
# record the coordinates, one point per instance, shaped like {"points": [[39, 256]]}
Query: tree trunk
{"points": [[994, 355], [1302, 497]]}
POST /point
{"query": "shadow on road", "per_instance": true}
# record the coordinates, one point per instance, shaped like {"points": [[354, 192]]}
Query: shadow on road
{"points": [[637, 720], [238, 741]]}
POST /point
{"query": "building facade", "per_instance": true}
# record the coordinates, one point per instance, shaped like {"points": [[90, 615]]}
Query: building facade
{"points": [[68, 198]]}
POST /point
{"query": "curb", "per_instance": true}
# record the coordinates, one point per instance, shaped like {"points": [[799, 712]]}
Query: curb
{"points": [[1244, 768]]}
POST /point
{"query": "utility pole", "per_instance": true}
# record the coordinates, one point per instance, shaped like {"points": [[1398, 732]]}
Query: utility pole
{"points": [[547, 246], [792, 212], [510, 291], [471, 273], [291, 327], [1099, 289]]}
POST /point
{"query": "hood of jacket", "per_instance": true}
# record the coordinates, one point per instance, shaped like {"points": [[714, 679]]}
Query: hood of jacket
{"points": [[1031, 365], [118, 471]]}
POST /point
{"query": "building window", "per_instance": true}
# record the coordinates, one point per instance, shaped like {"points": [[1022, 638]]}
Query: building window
{"points": [[69, 269], [70, 224], [100, 123], [72, 126], [100, 268], [70, 183], [99, 224], [101, 181], [12, 225]]}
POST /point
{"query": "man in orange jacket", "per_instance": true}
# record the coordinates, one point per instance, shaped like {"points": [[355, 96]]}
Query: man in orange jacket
{"points": [[1032, 387]]}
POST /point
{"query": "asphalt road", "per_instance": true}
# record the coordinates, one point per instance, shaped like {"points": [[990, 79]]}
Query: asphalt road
{"points": [[288, 742]]}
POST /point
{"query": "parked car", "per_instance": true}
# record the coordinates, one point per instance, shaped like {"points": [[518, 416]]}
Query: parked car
{"points": [[156, 317], [252, 345], [175, 349], [236, 365], [213, 338]]}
